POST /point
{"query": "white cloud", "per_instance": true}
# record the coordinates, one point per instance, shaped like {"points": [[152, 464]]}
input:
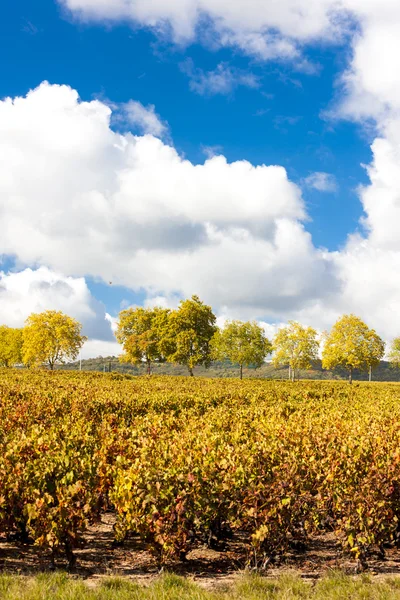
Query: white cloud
{"points": [[371, 82], [29, 291], [82, 199], [271, 29], [223, 80], [96, 348], [323, 182], [369, 265], [144, 118]]}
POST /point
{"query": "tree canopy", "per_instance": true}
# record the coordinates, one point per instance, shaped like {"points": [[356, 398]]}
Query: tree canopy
{"points": [[243, 343], [375, 350], [51, 338], [139, 331], [394, 353], [10, 346], [295, 346], [352, 345], [187, 333]]}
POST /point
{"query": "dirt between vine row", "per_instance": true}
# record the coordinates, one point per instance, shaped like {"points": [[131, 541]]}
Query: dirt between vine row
{"points": [[209, 568]]}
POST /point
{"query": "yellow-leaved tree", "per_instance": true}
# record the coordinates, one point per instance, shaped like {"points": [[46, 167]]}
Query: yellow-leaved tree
{"points": [[353, 345], [394, 353], [51, 338], [187, 333], [375, 349], [243, 343], [295, 346], [139, 331], [10, 346]]}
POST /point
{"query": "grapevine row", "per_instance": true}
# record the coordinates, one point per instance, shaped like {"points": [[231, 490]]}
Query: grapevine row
{"points": [[183, 461]]}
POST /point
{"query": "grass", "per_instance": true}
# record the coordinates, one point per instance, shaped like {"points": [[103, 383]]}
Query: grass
{"points": [[171, 587]]}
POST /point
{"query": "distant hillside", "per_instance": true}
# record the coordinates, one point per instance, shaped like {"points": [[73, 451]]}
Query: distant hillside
{"points": [[225, 369]]}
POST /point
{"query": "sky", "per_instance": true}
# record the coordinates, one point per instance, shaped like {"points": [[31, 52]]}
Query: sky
{"points": [[244, 151]]}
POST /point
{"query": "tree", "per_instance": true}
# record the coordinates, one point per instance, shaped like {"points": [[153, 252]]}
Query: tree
{"points": [[352, 345], [51, 337], [242, 344], [394, 353], [186, 335], [295, 346], [375, 351], [10, 346], [139, 332]]}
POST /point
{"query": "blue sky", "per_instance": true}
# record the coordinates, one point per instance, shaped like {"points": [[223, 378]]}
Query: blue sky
{"points": [[270, 111]]}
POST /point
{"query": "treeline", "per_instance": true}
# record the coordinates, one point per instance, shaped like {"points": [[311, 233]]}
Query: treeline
{"points": [[189, 336]]}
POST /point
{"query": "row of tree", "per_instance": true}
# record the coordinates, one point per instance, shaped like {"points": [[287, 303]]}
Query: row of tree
{"points": [[189, 336]]}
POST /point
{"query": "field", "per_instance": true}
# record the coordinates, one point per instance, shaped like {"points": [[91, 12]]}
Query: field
{"points": [[197, 475]]}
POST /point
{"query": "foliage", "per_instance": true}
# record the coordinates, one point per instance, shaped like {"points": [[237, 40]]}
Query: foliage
{"points": [[182, 461], [375, 350], [139, 331], [295, 346], [244, 344], [186, 335], [394, 353], [51, 337], [352, 344], [10, 346]]}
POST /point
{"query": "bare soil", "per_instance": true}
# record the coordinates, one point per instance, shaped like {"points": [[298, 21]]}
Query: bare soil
{"points": [[210, 568]]}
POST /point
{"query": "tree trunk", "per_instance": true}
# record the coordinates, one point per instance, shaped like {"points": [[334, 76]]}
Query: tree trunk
{"points": [[241, 371], [148, 367], [290, 373], [351, 375], [370, 372], [191, 372]]}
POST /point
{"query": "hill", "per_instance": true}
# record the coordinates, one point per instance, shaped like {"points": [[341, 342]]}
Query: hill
{"points": [[225, 369]]}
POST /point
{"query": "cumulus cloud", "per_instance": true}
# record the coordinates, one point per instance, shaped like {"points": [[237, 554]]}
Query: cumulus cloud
{"points": [[371, 83], [222, 80], [323, 182], [83, 199], [28, 291], [369, 264]]}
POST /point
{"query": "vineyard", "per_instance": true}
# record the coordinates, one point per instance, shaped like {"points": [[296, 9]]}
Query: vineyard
{"points": [[183, 462]]}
